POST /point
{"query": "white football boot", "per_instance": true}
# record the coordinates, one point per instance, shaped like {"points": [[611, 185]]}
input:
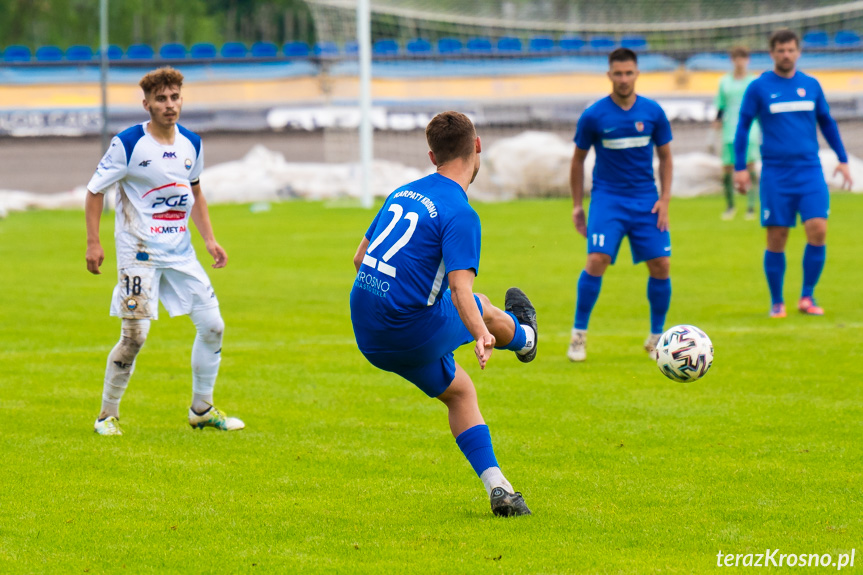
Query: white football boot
{"points": [[576, 351], [650, 344], [108, 426], [214, 417]]}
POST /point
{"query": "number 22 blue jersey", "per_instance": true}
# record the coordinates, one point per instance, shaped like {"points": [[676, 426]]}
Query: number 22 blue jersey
{"points": [[424, 230]]}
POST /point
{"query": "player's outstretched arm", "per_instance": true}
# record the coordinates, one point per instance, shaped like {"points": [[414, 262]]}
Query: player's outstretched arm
{"points": [[92, 213], [665, 173], [576, 187], [461, 285], [201, 217]]}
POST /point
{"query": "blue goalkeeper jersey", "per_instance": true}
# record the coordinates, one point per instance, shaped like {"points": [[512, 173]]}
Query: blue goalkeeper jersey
{"points": [[788, 110], [624, 141], [424, 230]]}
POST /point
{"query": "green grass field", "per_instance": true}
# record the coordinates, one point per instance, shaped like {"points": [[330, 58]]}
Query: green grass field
{"points": [[343, 468]]}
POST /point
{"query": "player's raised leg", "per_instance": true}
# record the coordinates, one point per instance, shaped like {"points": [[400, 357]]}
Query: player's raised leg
{"points": [[814, 257], [659, 296], [473, 438], [121, 364], [774, 268], [589, 286], [206, 357]]}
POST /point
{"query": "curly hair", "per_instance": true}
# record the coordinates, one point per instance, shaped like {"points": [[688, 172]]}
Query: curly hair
{"points": [[161, 78]]}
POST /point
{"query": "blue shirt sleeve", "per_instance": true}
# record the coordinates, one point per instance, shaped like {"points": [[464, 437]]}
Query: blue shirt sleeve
{"points": [[372, 227], [662, 131], [460, 241], [584, 134], [749, 109], [829, 127]]}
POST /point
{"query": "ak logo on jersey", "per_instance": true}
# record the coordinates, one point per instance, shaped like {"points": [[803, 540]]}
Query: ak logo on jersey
{"points": [[639, 126], [169, 155], [145, 163], [188, 164]]}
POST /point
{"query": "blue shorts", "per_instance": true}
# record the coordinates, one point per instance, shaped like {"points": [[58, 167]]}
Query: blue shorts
{"points": [[612, 217], [787, 191], [431, 365]]}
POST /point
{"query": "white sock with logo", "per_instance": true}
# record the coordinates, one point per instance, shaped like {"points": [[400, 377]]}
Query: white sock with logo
{"points": [[121, 364], [529, 342], [206, 356]]}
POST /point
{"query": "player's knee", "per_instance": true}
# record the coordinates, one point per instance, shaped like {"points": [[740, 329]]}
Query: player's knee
{"points": [[210, 325], [597, 263], [133, 334]]}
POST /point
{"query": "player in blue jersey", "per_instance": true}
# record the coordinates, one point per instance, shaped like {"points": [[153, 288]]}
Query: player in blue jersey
{"points": [[623, 128], [789, 104], [412, 302]]}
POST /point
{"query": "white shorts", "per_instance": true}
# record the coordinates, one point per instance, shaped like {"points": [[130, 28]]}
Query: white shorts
{"points": [[181, 289]]}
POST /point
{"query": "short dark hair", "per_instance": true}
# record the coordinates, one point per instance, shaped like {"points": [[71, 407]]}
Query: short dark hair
{"points": [[622, 55], [450, 135], [160, 78], [739, 52], [783, 37]]}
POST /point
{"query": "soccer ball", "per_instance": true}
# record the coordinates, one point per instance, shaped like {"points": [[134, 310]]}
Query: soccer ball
{"points": [[684, 353]]}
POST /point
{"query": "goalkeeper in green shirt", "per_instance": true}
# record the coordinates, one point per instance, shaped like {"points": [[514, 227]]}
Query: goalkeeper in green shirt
{"points": [[728, 99]]}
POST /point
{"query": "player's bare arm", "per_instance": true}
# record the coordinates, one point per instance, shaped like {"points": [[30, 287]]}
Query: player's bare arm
{"points": [[201, 217], [361, 250], [576, 186], [93, 213], [665, 173], [461, 285]]}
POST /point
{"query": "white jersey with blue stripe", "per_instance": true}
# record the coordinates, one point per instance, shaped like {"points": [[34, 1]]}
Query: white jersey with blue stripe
{"points": [[154, 195]]}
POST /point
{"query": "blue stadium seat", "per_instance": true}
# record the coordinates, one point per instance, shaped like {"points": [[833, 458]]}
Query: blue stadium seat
{"points": [[571, 43], [295, 49], [114, 53], [509, 44], [634, 42], [816, 39], [326, 49], [172, 51], [479, 46], [139, 52], [449, 46], [49, 54], [79, 54], [203, 51], [847, 39], [16, 54], [419, 47], [264, 50], [234, 50], [602, 43], [387, 47], [352, 48], [541, 45]]}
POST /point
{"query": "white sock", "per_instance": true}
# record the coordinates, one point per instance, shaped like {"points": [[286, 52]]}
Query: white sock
{"points": [[493, 477], [575, 332], [529, 342], [121, 364], [206, 356]]}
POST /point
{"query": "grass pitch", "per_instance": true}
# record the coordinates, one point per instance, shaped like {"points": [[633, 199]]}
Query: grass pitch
{"points": [[343, 468]]}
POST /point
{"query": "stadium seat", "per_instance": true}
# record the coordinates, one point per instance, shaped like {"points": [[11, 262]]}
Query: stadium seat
{"points": [[49, 54], [387, 47], [816, 39], [172, 51], [602, 43], [139, 52], [419, 47], [16, 54], [634, 42], [571, 43], [479, 46], [508, 44], [352, 48], [541, 44], [847, 39], [264, 50], [114, 53], [233, 50], [203, 51], [326, 49], [79, 54], [449, 46], [295, 49]]}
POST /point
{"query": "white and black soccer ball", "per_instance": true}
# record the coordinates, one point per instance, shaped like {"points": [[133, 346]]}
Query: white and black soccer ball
{"points": [[684, 353]]}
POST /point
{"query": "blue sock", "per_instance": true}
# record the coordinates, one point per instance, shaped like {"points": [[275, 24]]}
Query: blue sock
{"points": [[588, 293], [659, 296], [774, 269], [518, 340], [475, 443], [813, 263]]}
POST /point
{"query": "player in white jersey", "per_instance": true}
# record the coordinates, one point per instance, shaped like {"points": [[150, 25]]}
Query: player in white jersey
{"points": [[156, 167]]}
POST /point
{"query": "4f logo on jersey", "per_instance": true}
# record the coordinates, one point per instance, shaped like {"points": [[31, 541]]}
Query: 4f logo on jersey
{"points": [[169, 155], [145, 163], [171, 201]]}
